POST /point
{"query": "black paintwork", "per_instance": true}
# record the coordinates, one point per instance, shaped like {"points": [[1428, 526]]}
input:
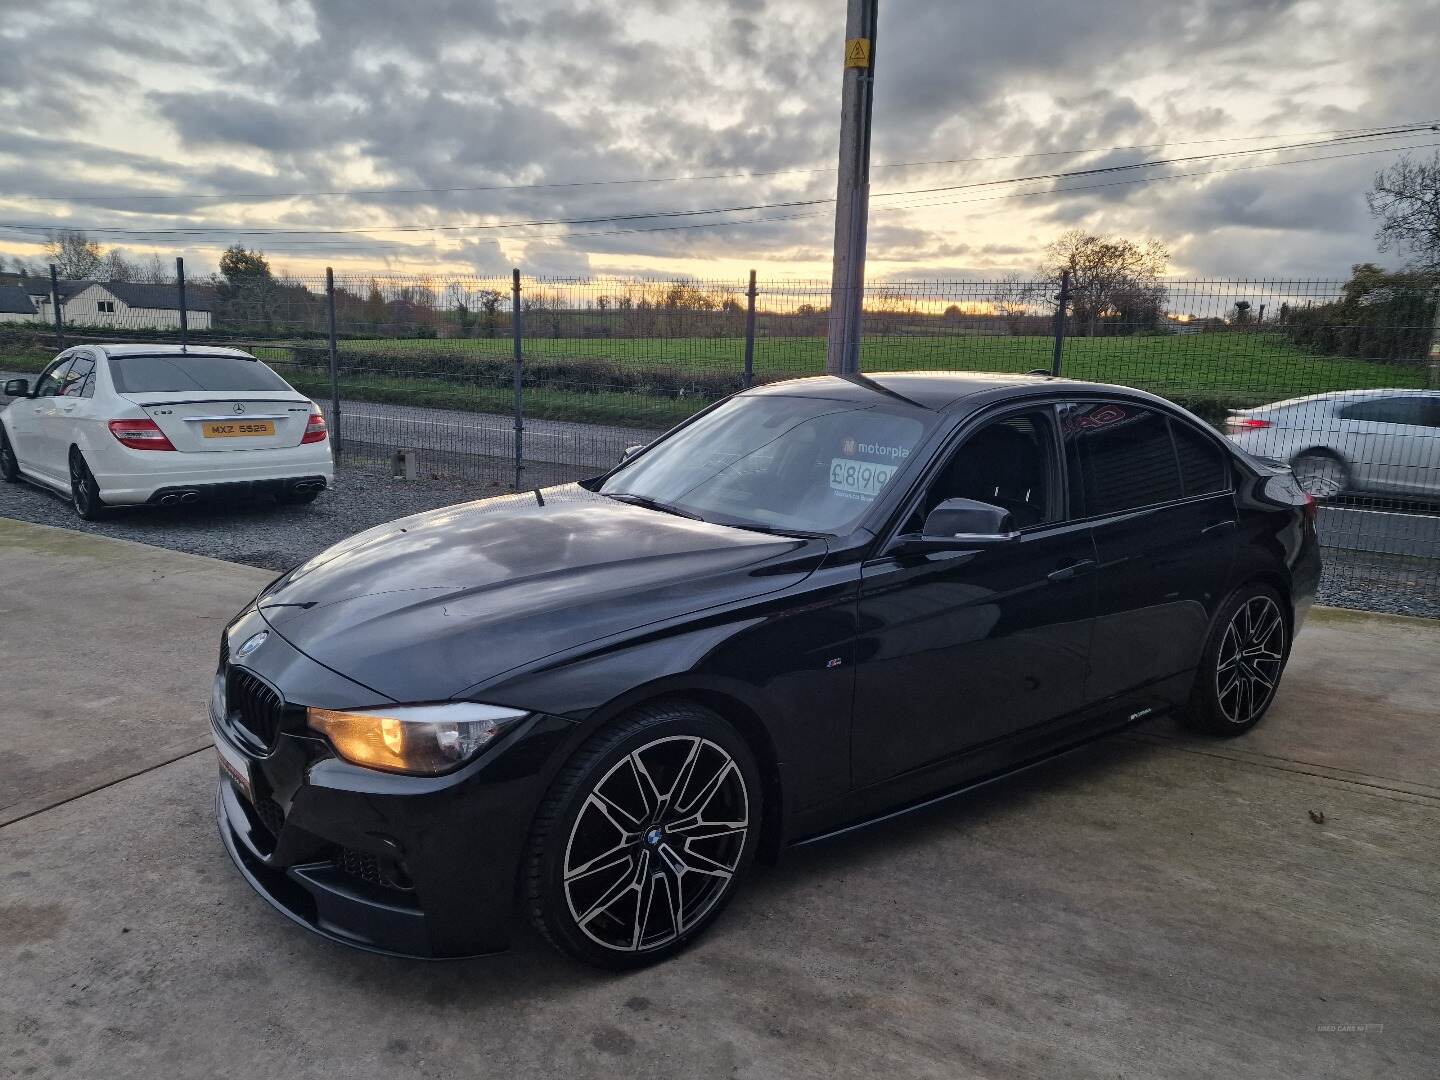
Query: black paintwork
{"points": [[867, 678]]}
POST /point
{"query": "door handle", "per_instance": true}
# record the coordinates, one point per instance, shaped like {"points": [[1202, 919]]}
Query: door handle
{"points": [[1072, 570], [1218, 526], [67, 408]]}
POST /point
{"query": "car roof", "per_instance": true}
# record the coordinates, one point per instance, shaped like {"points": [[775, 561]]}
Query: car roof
{"points": [[935, 390], [142, 349], [1346, 395]]}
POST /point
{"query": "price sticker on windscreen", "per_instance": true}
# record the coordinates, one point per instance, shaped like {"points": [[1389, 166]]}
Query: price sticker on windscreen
{"points": [[854, 478]]}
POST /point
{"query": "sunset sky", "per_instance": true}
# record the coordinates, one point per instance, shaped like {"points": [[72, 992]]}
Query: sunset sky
{"points": [[238, 107]]}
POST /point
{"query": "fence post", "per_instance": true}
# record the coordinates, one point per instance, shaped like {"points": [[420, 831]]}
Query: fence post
{"points": [[1063, 298], [180, 285], [519, 373], [750, 332], [334, 361], [55, 303], [1434, 365]]}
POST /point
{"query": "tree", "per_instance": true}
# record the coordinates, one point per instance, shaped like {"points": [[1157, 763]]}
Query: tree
{"points": [[1111, 278], [243, 268], [1405, 199], [115, 267], [490, 305], [1379, 316], [73, 253], [1242, 313], [153, 271]]}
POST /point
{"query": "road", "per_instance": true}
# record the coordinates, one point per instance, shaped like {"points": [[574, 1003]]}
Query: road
{"points": [[1157, 905], [456, 431]]}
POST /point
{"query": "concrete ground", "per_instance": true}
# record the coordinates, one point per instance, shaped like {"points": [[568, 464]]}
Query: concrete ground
{"points": [[1155, 906]]}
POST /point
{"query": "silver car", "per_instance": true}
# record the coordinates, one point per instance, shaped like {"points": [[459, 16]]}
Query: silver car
{"points": [[1371, 441]]}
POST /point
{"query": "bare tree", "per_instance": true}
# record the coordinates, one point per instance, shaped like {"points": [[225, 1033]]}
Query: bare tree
{"points": [[154, 270], [1110, 278], [74, 254], [1405, 199], [114, 266]]}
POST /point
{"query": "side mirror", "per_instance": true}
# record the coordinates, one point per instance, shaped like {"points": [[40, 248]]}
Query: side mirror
{"points": [[960, 525], [17, 388], [631, 451]]}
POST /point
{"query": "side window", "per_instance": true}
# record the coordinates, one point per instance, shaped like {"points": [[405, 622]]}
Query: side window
{"points": [[78, 380], [1007, 463], [1204, 467], [1431, 414], [50, 381], [1397, 410], [1120, 457]]}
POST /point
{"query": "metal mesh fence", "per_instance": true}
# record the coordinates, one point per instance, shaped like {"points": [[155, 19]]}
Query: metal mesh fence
{"points": [[429, 366]]}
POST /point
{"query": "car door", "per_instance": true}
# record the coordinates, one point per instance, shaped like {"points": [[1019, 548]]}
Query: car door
{"points": [[1158, 492], [70, 406], [958, 649], [1387, 444], [28, 417]]}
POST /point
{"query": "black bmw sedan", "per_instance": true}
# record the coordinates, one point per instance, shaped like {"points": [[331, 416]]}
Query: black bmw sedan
{"points": [[813, 605]]}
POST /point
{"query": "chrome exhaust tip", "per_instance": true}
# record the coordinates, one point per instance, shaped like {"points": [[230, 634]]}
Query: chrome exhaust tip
{"points": [[169, 500], [190, 497]]}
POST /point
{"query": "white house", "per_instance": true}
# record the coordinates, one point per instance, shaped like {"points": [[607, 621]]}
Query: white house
{"points": [[16, 305], [122, 304], [130, 304]]}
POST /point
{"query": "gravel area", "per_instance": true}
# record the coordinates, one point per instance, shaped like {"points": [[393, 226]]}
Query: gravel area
{"points": [[260, 532]]}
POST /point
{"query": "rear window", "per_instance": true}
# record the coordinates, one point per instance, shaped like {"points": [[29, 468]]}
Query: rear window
{"points": [[176, 373], [1123, 457]]}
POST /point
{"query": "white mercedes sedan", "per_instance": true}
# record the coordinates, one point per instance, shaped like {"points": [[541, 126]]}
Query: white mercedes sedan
{"points": [[118, 425], [1370, 441]]}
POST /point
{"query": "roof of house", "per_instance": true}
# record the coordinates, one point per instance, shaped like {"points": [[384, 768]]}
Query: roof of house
{"points": [[15, 301], [159, 297], [40, 286]]}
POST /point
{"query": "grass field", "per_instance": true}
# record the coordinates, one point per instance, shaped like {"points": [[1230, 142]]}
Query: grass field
{"points": [[1207, 372]]}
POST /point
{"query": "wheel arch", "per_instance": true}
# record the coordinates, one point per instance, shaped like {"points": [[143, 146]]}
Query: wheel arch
{"points": [[740, 714]]}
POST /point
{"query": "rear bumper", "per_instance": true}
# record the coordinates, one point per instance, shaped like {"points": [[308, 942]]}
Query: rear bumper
{"points": [[127, 477], [235, 489]]}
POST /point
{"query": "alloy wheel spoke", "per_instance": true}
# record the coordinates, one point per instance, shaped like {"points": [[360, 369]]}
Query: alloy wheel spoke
{"points": [[594, 866], [617, 815], [707, 793], [615, 892]]}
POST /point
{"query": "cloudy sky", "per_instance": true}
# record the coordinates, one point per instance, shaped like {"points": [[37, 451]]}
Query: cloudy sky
{"points": [[245, 110]]}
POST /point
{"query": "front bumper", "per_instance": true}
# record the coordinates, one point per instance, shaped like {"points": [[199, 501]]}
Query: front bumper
{"points": [[407, 865]]}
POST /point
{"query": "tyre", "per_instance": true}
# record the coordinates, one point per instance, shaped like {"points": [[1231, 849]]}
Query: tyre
{"points": [[643, 837], [84, 491], [1241, 664], [9, 466], [1320, 473]]}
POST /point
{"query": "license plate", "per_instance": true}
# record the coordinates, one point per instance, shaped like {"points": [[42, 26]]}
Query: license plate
{"points": [[234, 765], [238, 429]]}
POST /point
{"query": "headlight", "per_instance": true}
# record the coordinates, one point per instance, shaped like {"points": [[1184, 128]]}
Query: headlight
{"points": [[421, 739]]}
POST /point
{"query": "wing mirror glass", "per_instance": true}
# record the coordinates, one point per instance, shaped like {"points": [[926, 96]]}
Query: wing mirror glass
{"points": [[17, 388], [960, 525]]}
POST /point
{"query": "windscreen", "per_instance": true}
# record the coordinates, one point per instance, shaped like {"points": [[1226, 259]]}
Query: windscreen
{"points": [[798, 463], [179, 372]]}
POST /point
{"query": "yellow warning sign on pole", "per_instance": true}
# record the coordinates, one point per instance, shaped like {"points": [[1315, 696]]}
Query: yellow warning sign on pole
{"points": [[857, 52]]}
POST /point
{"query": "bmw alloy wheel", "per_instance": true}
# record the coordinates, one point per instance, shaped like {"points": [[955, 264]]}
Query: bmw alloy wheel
{"points": [[1252, 653], [656, 844]]}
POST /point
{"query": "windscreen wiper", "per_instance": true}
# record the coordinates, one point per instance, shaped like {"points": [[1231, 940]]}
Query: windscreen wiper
{"points": [[651, 504], [776, 530]]}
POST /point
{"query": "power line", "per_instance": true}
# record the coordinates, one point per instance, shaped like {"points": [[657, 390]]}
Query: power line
{"points": [[1380, 130], [893, 207], [666, 214]]}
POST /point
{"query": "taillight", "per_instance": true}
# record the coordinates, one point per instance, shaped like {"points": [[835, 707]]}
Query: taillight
{"points": [[1245, 423], [140, 435], [315, 430], [1311, 509]]}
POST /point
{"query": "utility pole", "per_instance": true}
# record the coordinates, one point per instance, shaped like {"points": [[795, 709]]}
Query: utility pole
{"points": [[180, 287], [852, 193]]}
